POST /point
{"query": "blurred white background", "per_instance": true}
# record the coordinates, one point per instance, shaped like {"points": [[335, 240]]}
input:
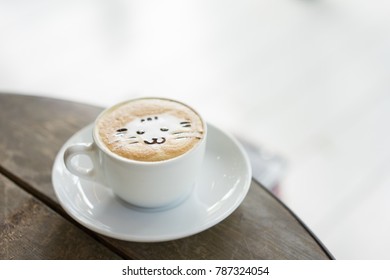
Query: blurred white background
{"points": [[306, 79]]}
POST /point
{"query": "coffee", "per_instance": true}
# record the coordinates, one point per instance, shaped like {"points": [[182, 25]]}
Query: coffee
{"points": [[150, 129]]}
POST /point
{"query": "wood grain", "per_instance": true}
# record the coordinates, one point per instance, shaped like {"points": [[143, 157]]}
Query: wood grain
{"points": [[33, 130], [31, 230]]}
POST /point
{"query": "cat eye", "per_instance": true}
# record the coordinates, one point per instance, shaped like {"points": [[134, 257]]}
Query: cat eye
{"points": [[140, 132], [164, 129]]}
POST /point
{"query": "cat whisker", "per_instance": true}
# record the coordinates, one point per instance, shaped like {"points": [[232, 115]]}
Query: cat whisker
{"points": [[188, 134], [125, 140], [186, 131], [124, 145], [187, 137]]}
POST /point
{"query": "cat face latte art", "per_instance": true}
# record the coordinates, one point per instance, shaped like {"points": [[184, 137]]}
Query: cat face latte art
{"points": [[148, 151], [150, 129]]}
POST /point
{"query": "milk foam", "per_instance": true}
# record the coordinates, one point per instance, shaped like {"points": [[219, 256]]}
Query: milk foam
{"points": [[150, 129]]}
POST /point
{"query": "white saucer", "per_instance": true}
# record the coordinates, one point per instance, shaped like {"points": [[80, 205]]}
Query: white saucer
{"points": [[222, 186]]}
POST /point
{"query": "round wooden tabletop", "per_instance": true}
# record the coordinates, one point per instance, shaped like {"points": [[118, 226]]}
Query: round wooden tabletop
{"points": [[34, 225]]}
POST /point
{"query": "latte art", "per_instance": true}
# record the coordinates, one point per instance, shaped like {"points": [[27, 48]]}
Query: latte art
{"points": [[150, 129], [155, 130]]}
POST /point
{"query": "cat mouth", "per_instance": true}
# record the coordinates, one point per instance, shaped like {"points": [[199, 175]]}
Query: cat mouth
{"points": [[155, 141]]}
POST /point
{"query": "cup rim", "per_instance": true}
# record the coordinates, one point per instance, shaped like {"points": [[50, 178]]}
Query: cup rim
{"points": [[107, 151]]}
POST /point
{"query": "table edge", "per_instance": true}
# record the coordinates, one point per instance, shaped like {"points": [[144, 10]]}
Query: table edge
{"points": [[309, 231]]}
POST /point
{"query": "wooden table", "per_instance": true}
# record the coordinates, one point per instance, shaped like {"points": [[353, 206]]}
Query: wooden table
{"points": [[34, 226]]}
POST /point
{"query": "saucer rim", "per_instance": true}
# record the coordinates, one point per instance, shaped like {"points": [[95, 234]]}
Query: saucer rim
{"points": [[88, 223]]}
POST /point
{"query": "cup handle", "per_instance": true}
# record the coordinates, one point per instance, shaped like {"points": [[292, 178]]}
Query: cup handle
{"points": [[91, 151]]}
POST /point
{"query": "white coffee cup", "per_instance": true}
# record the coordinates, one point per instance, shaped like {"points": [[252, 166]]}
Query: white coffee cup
{"points": [[148, 184]]}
